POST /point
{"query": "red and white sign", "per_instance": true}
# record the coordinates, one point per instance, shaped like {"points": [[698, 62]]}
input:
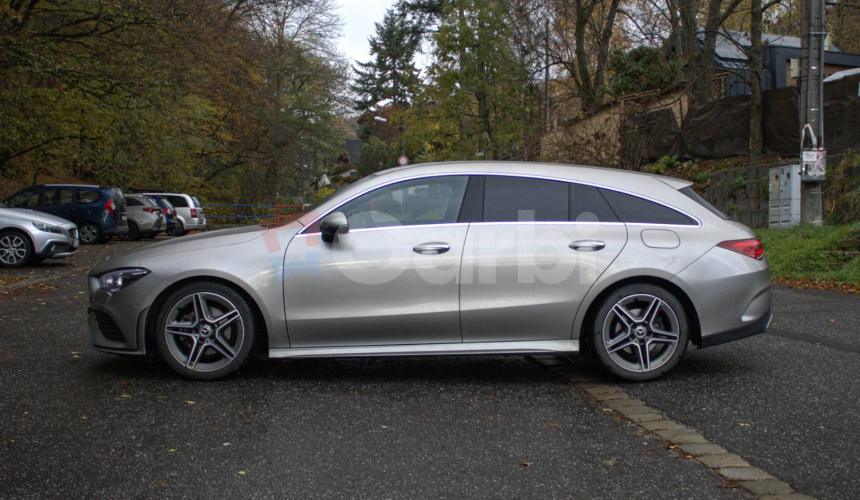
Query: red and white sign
{"points": [[403, 161]]}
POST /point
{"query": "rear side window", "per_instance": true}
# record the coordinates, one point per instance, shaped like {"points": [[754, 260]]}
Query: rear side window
{"points": [[132, 202], [512, 199], [178, 201], [196, 201], [588, 205], [85, 197], [27, 199], [56, 197], [637, 210]]}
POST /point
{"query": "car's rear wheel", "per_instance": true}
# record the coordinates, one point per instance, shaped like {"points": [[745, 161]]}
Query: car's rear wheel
{"points": [[205, 331], [15, 249], [133, 233], [640, 332], [89, 233]]}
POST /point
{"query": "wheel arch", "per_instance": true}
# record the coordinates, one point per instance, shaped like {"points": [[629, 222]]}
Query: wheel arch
{"points": [[22, 232], [262, 340], [695, 331]]}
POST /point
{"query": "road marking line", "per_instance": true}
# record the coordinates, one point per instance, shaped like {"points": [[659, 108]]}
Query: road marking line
{"points": [[688, 442]]}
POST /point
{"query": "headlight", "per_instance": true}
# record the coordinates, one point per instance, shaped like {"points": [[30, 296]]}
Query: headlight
{"points": [[47, 228], [113, 281]]}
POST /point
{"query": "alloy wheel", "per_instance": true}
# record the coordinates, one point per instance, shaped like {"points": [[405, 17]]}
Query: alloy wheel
{"points": [[641, 332], [204, 331], [13, 250], [89, 233]]}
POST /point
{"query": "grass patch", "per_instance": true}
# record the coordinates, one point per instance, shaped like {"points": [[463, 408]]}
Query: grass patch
{"points": [[808, 252]]}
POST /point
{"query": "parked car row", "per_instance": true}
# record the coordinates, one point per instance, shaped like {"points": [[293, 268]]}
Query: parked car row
{"points": [[49, 220]]}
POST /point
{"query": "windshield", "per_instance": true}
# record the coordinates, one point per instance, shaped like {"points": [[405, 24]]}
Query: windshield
{"points": [[327, 198]]}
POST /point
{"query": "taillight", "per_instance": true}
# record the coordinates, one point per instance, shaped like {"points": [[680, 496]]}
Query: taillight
{"points": [[751, 247], [193, 213], [150, 210], [165, 211], [110, 206]]}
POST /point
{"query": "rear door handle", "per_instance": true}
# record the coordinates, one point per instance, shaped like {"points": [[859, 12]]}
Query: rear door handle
{"points": [[432, 248], [587, 245]]}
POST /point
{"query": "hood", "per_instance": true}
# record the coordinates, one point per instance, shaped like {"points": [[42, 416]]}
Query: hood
{"points": [[34, 216], [202, 241]]}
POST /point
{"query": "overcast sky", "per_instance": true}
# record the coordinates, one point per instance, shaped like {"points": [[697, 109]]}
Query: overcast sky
{"points": [[359, 17]]}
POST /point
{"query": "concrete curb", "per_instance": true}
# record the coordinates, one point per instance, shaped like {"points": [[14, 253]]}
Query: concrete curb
{"points": [[686, 441]]}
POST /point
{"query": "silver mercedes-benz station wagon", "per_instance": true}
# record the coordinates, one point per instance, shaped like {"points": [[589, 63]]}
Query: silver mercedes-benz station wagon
{"points": [[444, 259]]}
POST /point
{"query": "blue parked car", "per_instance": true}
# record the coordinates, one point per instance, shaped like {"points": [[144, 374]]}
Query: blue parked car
{"points": [[99, 212]]}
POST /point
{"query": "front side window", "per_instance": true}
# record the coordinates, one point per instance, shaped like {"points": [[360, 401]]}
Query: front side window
{"points": [[27, 199], [433, 200], [512, 199]]}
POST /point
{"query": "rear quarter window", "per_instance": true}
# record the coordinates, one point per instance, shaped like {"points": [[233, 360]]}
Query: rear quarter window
{"points": [[512, 199], [177, 201], [635, 210], [85, 197]]}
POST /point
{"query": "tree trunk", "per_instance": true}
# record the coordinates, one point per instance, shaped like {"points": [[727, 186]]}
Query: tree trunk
{"points": [[756, 71]]}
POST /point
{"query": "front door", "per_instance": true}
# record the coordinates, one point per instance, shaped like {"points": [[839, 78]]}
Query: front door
{"points": [[392, 279]]}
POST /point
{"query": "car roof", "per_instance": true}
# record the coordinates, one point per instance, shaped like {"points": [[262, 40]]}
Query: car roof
{"points": [[165, 194], [611, 177], [90, 186]]}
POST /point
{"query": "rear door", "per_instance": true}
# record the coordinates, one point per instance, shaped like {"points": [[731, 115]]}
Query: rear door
{"points": [[537, 248]]}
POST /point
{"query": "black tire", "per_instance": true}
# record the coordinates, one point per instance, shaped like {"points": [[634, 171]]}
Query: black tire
{"points": [[16, 250], [644, 337], [150, 236], [90, 233], [179, 231], [133, 233], [226, 348]]}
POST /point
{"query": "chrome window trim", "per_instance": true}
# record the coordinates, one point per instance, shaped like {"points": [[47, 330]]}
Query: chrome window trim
{"points": [[698, 223]]}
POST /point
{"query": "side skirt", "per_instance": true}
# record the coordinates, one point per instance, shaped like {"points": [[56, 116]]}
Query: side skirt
{"points": [[520, 347]]}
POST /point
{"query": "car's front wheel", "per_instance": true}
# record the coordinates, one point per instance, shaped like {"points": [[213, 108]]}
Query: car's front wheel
{"points": [[15, 249], [205, 331], [640, 332]]}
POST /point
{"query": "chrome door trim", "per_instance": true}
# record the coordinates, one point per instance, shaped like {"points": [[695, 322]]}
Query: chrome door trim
{"points": [[698, 223], [389, 228], [518, 347]]}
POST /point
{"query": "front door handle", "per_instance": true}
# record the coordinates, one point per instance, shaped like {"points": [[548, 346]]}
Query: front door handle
{"points": [[587, 245], [433, 248]]}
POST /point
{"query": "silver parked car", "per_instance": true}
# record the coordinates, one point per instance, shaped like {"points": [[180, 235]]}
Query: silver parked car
{"points": [[441, 259], [28, 237], [189, 211], [145, 217]]}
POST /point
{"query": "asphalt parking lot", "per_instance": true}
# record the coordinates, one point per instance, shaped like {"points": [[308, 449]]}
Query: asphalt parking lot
{"points": [[76, 423]]}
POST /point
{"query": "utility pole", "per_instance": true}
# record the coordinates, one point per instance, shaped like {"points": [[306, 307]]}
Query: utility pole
{"points": [[813, 166]]}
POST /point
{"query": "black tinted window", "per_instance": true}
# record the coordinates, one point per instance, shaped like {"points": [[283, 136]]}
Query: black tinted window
{"points": [[637, 210], [177, 201], [133, 202], [511, 199], [56, 197], [588, 205], [688, 191], [24, 200], [85, 197], [434, 200]]}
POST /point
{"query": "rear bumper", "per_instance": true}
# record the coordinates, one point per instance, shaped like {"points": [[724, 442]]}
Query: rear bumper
{"points": [[754, 328]]}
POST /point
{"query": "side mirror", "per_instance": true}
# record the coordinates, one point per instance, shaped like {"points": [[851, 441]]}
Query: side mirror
{"points": [[332, 225]]}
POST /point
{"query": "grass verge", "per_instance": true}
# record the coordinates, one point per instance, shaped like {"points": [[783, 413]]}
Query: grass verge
{"points": [[809, 255]]}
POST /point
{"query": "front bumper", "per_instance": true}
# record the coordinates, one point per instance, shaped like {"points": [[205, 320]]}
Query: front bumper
{"points": [[117, 321], [56, 246]]}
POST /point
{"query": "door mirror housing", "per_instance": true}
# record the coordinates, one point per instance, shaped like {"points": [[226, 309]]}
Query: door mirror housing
{"points": [[332, 225]]}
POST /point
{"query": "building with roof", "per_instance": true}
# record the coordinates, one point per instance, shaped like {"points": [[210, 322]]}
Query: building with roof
{"points": [[732, 62]]}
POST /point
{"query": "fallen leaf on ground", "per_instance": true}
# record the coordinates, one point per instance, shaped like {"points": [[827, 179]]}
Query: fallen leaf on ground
{"points": [[191, 402], [526, 464]]}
